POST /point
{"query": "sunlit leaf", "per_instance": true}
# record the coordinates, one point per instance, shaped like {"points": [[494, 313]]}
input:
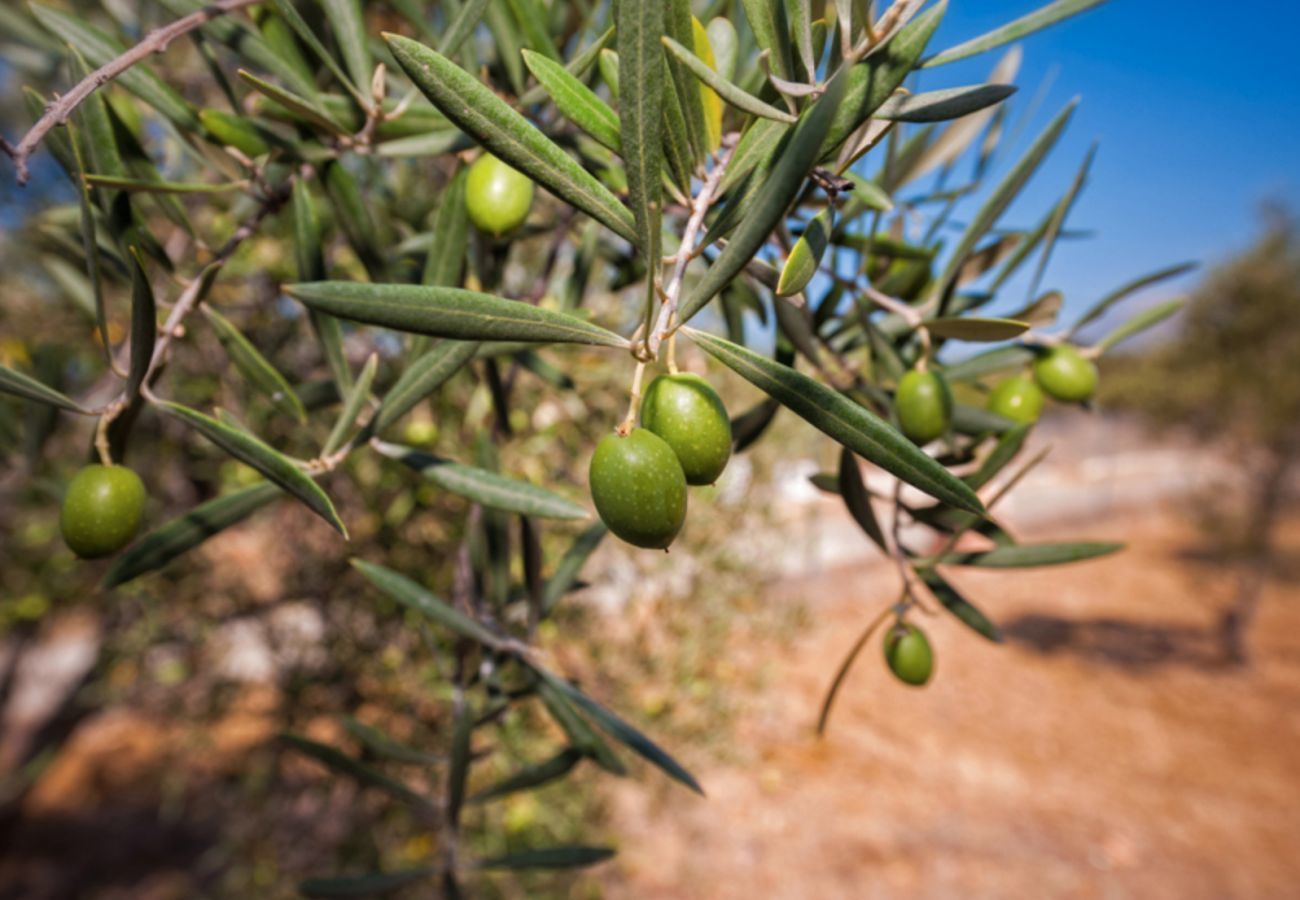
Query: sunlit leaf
{"points": [[1024, 556], [414, 597], [575, 101], [728, 91], [942, 105], [1013, 31]]}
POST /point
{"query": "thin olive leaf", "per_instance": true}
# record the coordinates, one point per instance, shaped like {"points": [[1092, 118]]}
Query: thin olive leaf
{"points": [[849, 485], [420, 379], [144, 186], [144, 325], [1012, 31], [699, 108], [307, 110], [998, 201], [1003, 452], [975, 328], [482, 114], [959, 606], [370, 885], [621, 731], [1059, 215], [446, 260], [356, 398], [1148, 318], [989, 362], [806, 254], [17, 384], [414, 597], [254, 366], [575, 101], [550, 858], [460, 28], [461, 754], [275, 466], [566, 573], [295, 21], [187, 531], [382, 744], [340, 762], [730, 92], [100, 48], [309, 257], [485, 487], [89, 247], [533, 776], [1024, 556], [578, 67], [848, 423], [580, 734], [771, 30], [533, 23], [1098, 309], [449, 312], [943, 105], [640, 116], [773, 199], [350, 35]]}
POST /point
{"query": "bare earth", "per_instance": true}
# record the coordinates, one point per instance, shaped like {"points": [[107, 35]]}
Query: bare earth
{"points": [[1101, 752]]}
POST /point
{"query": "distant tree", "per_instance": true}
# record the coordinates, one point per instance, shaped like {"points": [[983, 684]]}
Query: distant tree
{"points": [[1231, 374]]}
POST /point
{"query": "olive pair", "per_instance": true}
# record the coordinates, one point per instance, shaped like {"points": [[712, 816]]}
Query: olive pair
{"points": [[1063, 373], [638, 480]]}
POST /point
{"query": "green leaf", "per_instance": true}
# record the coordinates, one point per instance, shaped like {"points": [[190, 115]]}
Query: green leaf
{"points": [[940, 106], [749, 426], [1003, 452], [974, 328], [580, 734], [1059, 214], [100, 48], [998, 201], [772, 32], [187, 531], [340, 762], [641, 74], [275, 466], [488, 488], [446, 259], [959, 606], [411, 595], [356, 398], [578, 67], [295, 21], [697, 112], [566, 573], [532, 20], [305, 109], [1023, 556], [144, 325], [1148, 318], [420, 379], [769, 207], [449, 312], [806, 254], [254, 366], [462, 25], [350, 34], [575, 101], [989, 362], [533, 776], [146, 186], [511, 137], [848, 423], [849, 485], [309, 257], [383, 744], [461, 757], [20, 385], [89, 246], [1098, 309], [550, 858], [1013, 31], [621, 731], [370, 885], [735, 95]]}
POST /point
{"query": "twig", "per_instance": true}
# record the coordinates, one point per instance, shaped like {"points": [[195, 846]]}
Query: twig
{"points": [[155, 41], [699, 209]]}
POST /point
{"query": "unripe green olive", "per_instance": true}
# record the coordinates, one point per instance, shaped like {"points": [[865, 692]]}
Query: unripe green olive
{"points": [[1018, 399], [232, 131], [1066, 375], [639, 489], [688, 414], [907, 651], [101, 510], [923, 404], [497, 197]]}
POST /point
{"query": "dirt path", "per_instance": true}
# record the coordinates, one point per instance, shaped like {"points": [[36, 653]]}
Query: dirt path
{"points": [[1100, 753]]}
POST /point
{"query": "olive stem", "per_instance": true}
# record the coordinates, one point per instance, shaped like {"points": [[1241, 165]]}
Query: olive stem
{"points": [[629, 421], [101, 435], [699, 209], [672, 354]]}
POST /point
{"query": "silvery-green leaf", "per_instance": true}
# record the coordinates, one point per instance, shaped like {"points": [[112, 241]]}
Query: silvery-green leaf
{"points": [[1098, 309], [578, 67], [144, 324], [295, 21], [356, 398], [17, 384], [1148, 318], [566, 572], [1022, 556], [462, 25], [306, 109], [771, 30], [1013, 31], [732, 93], [414, 597], [640, 114], [959, 606], [942, 105], [350, 35], [989, 362], [309, 257], [254, 366], [575, 101], [420, 379]]}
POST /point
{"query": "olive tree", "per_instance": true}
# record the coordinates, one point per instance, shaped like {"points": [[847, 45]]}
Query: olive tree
{"points": [[439, 190]]}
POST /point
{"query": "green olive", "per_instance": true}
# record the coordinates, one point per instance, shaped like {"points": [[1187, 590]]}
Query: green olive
{"points": [[497, 197], [231, 130], [688, 414], [101, 510], [639, 489], [907, 651], [1018, 399], [1066, 375], [924, 406]]}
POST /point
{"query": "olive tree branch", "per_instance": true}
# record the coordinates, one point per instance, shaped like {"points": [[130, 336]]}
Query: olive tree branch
{"points": [[155, 41]]}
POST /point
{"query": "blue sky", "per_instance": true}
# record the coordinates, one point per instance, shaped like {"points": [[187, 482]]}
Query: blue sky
{"points": [[1197, 109]]}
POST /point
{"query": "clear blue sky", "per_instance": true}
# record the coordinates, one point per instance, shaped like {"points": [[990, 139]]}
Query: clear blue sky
{"points": [[1197, 109]]}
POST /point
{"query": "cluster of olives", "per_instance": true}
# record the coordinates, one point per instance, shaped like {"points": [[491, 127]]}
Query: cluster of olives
{"points": [[1062, 373], [639, 479], [101, 510]]}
